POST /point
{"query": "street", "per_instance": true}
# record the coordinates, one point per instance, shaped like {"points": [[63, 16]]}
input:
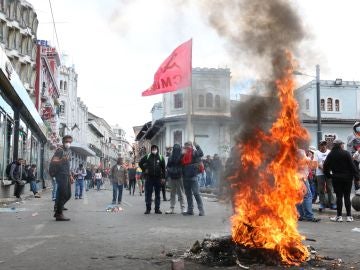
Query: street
{"points": [[96, 239]]}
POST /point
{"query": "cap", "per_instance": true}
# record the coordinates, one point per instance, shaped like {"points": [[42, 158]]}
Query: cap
{"points": [[322, 142], [338, 142]]}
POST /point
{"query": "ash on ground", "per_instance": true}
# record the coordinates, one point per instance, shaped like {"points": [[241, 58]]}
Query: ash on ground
{"points": [[223, 252]]}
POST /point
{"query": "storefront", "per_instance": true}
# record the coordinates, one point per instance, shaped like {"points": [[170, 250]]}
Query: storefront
{"points": [[22, 131]]}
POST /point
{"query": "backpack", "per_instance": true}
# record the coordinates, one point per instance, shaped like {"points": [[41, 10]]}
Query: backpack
{"points": [[8, 169], [161, 157], [53, 167]]}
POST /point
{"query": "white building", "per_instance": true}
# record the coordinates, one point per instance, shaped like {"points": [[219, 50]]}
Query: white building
{"points": [[18, 28], [125, 149], [339, 104], [73, 116], [200, 114]]}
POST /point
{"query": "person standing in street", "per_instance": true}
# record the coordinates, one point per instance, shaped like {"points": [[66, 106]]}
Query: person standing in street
{"points": [[324, 183], [190, 162], [60, 166], [153, 167], [98, 179], [32, 180], [119, 177], [132, 178], [80, 174], [16, 175], [139, 179], [174, 173], [208, 170], [339, 167], [218, 169], [88, 179]]}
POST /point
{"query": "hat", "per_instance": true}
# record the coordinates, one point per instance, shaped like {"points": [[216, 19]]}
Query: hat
{"points": [[188, 144], [312, 149], [322, 142], [338, 142]]}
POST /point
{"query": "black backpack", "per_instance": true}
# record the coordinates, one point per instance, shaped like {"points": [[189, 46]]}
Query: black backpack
{"points": [[54, 167]]}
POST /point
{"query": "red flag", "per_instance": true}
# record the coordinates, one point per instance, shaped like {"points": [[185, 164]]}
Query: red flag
{"points": [[174, 73]]}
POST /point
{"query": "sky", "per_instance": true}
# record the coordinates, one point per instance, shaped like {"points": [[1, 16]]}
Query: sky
{"points": [[117, 45]]}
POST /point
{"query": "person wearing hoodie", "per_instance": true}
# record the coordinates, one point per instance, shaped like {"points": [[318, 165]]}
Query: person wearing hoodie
{"points": [[174, 172], [153, 167], [339, 167], [190, 161]]}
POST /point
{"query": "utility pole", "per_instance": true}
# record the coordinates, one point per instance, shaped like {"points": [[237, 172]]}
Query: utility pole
{"points": [[319, 131]]}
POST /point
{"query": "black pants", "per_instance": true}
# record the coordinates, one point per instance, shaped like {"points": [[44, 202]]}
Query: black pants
{"points": [[342, 189], [63, 192], [18, 189], [132, 184], [163, 190], [150, 185]]}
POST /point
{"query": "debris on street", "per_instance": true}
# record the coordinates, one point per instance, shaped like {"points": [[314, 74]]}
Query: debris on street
{"points": [[113, 208]]}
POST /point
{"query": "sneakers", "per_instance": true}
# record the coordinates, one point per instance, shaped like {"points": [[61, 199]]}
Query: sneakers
{"points": [[349, 219], [60, 217], [202, 213], [147, 212], [170, 211], [188, 213], [37, 195], [337, 219], [158, 212]]}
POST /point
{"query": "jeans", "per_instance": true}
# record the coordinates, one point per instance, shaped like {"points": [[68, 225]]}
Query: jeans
{"points": [[63, 192], [79, 187], [132, 184], [87, 184], [305, 208], [33, 187], [313, 188], [325, 184], [18, 189], [201, 178], [150, 186], [54, 188], [176, 187], [208, 181], [98, 184], [117, 192], [191, 187]]}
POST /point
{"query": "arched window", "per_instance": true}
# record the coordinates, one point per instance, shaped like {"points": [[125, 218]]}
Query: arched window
{"points": [[65, 85], [217, 101], [307, 104], [62, 107], [337, 105], [329, 104], [209, 100], [201, 101], [61, 85], [322, 104]]}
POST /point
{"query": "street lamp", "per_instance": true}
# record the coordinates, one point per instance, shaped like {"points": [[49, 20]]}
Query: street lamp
{"points": [[319, 131]]}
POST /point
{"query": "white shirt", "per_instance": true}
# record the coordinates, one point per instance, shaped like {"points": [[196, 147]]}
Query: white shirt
{"points": [[118, 167], [98, 175], [320, 158]]}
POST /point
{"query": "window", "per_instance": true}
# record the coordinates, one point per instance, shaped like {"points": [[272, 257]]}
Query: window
{"points": [[65, 85], [307, 104], [178, 101], [209, 100], [178, 137], [61, 85], [201, 101], [62, 108], [217, 101], [322, 104], [329, 104], [337, 105]]}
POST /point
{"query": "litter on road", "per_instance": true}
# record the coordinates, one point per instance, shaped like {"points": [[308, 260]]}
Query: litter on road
{"points": [[113, 208]]}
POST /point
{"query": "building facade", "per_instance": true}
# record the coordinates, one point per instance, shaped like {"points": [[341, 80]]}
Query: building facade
{"points": [[73, 116], [339, 105], [125, 149], [201, 114], [18, 28]]}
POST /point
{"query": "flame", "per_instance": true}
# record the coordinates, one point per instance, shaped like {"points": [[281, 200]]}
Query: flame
{"points": [[265, 198]]}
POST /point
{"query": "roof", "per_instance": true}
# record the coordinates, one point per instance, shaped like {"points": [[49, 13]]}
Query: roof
{"points": [[143, 130]]}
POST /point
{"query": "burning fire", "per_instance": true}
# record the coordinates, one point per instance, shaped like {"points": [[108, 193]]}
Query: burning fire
{"points": [[270, 186]]}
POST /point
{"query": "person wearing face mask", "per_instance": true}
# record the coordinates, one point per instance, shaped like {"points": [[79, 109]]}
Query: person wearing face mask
{"points": [[153, 167], [64, 179]]}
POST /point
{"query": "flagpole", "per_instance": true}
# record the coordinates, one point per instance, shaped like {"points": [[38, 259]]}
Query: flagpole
{"points": [[189, 127]]}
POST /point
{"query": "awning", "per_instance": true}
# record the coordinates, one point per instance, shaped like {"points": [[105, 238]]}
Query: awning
{"points": [[143, 130], [82, 149]]}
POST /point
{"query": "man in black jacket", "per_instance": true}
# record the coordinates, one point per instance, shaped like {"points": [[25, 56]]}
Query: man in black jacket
{"points": [[340, 168], [153, 167]]}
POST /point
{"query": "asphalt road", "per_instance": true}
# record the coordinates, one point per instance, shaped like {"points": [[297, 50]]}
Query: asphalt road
{"points": [[96, 239]]}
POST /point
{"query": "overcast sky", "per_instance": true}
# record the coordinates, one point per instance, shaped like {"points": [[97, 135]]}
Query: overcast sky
{"points": [[117, 45]]}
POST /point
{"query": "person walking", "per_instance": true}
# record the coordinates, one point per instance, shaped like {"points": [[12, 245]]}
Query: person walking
{"points": [[153, 167], [139, 179], [218, 169], [132, 178], [324, 183], [32, 175], [118, 177], [174, 173], [208, 171], [98, 179], [60, 167], [80, 174], [190, 162], [88, 179], [16, 175], [339, 167]]}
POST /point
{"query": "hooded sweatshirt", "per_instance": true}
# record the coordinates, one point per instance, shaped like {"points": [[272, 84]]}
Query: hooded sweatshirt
{"points": [[174, 168]]}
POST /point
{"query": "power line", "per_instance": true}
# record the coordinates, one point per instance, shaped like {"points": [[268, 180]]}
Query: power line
{"points": [[53, 20]]}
